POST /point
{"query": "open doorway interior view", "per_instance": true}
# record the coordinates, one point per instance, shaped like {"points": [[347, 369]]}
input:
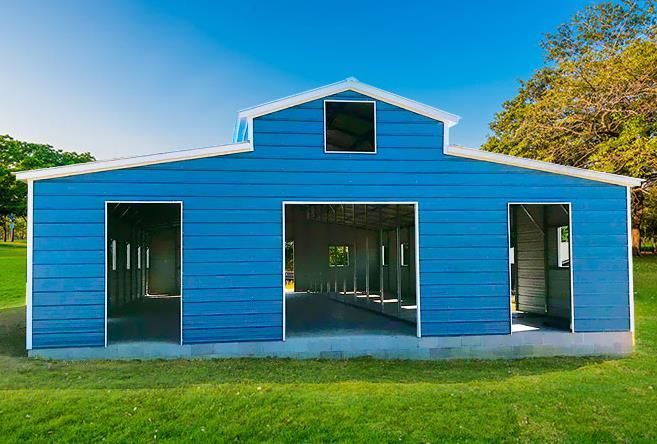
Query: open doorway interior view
{"points": [[539, 257], [143, 272], [353, 269]]}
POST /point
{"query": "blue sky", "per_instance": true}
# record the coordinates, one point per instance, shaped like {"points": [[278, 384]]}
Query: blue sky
{"points": [[125, 78]]}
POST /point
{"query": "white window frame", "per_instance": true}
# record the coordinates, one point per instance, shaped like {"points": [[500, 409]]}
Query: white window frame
{"points": [[139, 257], [559, 257], [373, 102], [384, 262]]}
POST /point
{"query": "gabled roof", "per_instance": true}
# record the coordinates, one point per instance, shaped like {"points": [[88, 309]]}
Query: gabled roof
{"points": [[243, 143], [350, 84], [131, 162], [583, 173]]}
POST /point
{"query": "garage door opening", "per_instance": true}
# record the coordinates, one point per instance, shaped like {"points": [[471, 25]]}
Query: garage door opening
{"points": [[540, 266], [143, 271], [354, 269]]}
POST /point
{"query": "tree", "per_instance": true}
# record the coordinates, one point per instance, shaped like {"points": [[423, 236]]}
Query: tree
{"points": [[649, 222], [16, 155], [594, 104]]}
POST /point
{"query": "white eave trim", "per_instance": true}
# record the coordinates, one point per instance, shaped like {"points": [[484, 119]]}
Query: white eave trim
{"points": [[350, 84], [131, 162], [487, 156]]}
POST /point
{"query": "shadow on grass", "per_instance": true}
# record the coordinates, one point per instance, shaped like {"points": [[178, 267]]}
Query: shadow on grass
{"points": [[16, 371], [12, 332]]}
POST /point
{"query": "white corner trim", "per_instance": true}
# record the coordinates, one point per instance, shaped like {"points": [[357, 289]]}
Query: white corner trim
{"points": [[30, 255], [105, 276], [350, 84], [487, 156], [630, 259], [131, 162]]}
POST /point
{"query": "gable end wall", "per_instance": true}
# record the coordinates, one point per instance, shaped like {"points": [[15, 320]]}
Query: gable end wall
{"points": [[232, 230]]}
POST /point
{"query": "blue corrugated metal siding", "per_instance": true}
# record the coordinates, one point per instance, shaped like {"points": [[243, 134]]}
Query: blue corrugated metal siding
{"points": [[232, 230]]}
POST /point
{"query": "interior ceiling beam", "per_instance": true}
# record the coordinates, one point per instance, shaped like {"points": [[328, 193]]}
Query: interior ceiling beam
{"points": [[531, 218], [384, 218]]}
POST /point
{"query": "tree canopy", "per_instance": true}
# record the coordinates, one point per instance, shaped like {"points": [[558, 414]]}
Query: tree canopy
{"points": [[16, 155], [594, 103]]}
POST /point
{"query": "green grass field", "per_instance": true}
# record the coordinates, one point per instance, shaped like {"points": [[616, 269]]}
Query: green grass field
{"points": [[531, 400], [12, 274]]}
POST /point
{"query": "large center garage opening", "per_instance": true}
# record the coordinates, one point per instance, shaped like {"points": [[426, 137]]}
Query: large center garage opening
{"points": [[350, 269], [540, 266], [143, 272]]}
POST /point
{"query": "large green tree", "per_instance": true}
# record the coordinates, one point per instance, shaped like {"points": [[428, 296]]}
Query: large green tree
{"points": [[16, 155], [594, 103]]}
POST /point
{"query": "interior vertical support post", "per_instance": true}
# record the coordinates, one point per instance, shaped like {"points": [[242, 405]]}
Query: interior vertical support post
{"points": [[398, 263], [367, 259], [398, 269], [546, 263], [514, 215], [381, 268], [353, 207], [344, 271]]}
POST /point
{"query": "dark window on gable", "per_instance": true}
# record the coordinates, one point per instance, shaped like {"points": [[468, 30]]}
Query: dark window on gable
{"points": [[349, 126]]}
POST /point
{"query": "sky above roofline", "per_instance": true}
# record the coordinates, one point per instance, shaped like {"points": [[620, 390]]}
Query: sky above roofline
{"points": [[131, 78]]}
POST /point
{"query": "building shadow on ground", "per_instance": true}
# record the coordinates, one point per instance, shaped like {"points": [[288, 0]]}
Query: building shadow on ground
{"points": [[12, 332]]}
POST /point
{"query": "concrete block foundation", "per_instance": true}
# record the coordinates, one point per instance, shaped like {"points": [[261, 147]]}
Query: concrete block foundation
{"points": [[518, 345]]}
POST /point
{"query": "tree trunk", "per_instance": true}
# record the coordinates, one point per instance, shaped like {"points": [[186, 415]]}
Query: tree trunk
{"points": [[637, 215]]}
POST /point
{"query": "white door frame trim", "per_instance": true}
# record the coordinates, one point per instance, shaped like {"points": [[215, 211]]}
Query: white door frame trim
{"points": [[178, 202], [570, 246], [355, 202]]}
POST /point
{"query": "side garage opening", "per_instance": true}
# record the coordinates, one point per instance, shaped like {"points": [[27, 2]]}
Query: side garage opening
{"points": [[143, 271], [354, 269], [540, 264]]}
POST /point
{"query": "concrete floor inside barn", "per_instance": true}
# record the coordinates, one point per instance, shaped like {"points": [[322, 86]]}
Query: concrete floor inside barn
{"points": [[312, 314], [153, 318], [319, 326]]}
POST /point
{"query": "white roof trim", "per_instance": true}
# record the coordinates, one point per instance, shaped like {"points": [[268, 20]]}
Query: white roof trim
{"points": [[471, 153], [131, 162], [350, 84]]}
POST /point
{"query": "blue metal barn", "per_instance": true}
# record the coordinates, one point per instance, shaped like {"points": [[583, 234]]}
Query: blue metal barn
{"points": [[340, 222]]}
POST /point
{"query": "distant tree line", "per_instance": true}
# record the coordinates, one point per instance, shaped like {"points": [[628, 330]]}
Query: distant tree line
{"points": [[16, 155], [594, 103]]}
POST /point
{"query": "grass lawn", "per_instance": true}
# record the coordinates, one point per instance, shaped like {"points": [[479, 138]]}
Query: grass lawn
{"points": [[536, 400]]}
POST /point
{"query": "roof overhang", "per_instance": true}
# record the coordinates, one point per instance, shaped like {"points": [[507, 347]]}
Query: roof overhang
{"points": [[487, 156], [350, 84], [131, 162]]}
